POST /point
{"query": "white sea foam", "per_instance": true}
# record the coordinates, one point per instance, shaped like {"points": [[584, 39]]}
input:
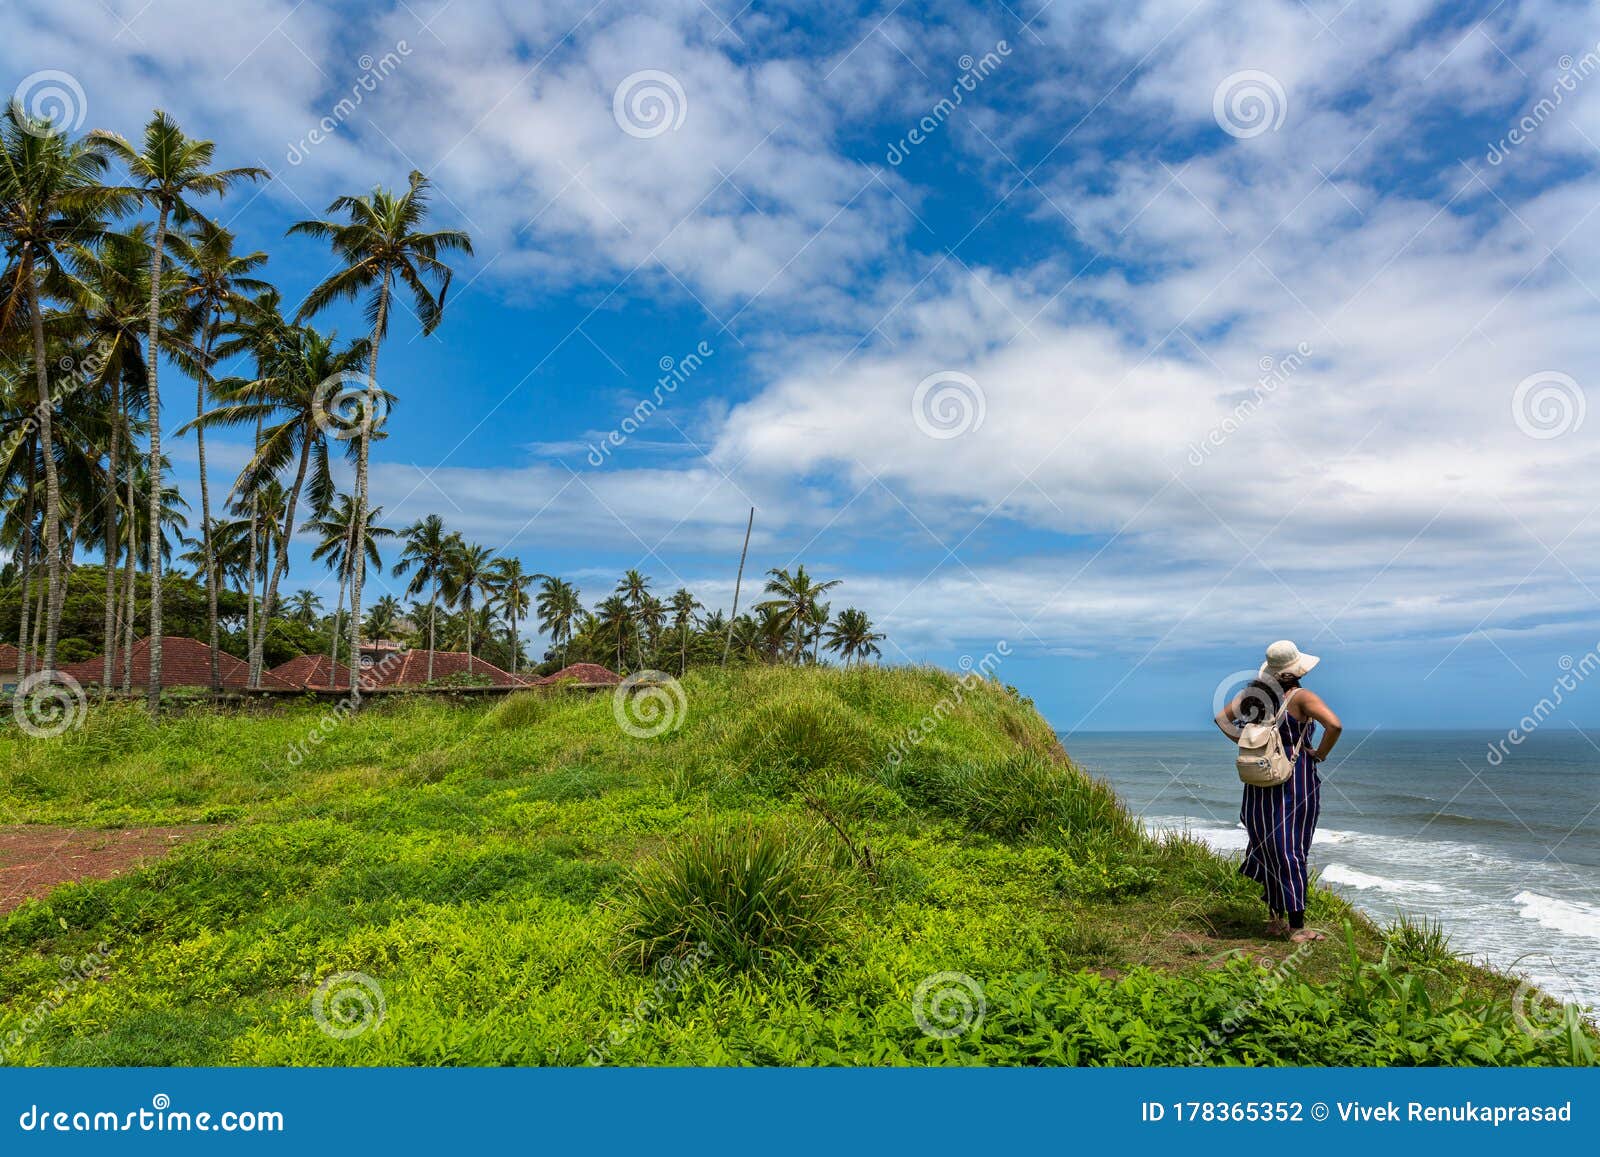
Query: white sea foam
{"points": [[1351, 878], [1570, 916]]}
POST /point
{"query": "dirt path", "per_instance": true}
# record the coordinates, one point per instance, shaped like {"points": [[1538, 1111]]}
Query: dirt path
{"points": [[35, 859]]}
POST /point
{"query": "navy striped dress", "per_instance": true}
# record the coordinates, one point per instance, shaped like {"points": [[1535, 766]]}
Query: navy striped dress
{"points": [[1281, 820]]}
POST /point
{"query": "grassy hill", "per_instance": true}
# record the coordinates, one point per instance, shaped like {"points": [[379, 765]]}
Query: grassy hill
{"points": [[785, 877]]}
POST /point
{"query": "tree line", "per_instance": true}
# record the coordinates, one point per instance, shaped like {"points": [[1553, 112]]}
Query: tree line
{"points": [[113, 271]]}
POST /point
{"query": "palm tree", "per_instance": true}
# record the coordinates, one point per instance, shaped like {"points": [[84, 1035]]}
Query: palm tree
{"points": [[258, 328], [334, 524], [380, 242], [851, 636], [684, 605], [510, 585], [166, 172], [794, 604], [286, 396], [214, 289], [426, 557], [468, 574], [614, 616], [304, 607], [48, 188], [383, 617], [559, 609]]}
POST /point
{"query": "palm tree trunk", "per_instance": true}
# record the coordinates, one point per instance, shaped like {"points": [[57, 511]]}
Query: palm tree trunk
{"points": [[358, 570], [153, 345], [130, 580], [52, 486], [255, 569], [113, 541], [511, 611], [24, 653], [205, 513], [737, 582], [280, 565], [433, 600]]}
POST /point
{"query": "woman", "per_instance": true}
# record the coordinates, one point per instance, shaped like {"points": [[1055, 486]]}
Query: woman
{"points": [[1282, 819]]}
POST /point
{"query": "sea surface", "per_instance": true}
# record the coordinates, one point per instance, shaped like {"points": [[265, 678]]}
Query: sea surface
{"points": [[1506, 856]]}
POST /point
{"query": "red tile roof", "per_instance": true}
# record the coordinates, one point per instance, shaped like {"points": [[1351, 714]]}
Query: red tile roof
{"points": [[184, 663], [311, 671], [410, 668], [8, 659], [584, 673]]}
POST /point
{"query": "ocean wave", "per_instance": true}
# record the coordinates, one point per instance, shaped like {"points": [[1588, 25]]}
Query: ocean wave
{"points": [[1351, 878], [1573, 917]]}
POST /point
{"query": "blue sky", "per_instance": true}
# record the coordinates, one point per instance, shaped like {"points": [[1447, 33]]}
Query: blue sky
{"points": [[1273, 329]]}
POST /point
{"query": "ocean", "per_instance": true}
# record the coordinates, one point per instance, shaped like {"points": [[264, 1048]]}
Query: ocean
{"points": [[1506, 856]]}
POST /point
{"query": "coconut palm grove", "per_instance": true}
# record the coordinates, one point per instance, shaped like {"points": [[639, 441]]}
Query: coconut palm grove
{"points": [[118, 274]]}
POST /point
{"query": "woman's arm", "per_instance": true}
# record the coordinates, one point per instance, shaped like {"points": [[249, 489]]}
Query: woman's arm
{"points": [[1312, 707], [1227, 720]]}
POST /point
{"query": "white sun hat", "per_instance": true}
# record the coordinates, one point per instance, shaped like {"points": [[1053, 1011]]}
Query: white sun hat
{"points": [[1284, 658]]}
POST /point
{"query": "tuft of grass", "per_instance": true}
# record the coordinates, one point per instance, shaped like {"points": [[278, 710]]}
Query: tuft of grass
{"points": [[1419, 941], [1030, 796], [741, 897]]}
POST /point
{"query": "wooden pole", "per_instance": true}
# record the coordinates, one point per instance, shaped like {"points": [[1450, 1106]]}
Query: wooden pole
{"points": [[733, 618]]}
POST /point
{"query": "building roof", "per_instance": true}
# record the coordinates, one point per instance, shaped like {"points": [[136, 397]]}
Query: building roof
{"points": [[583, 673], [411, 668], [184, 663], [311, 671], [8, 659]]}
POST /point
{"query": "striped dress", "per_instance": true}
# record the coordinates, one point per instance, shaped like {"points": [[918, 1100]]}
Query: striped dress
{"points": [[1280, 821]]}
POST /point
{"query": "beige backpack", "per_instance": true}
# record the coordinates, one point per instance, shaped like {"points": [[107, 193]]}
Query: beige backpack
{"points": [[1262, 760]]}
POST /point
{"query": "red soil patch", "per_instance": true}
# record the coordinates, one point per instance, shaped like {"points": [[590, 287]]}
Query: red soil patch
{"points": [[35, 859]]}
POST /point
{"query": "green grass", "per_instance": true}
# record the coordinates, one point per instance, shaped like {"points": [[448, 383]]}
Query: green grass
{"points": [[768, 883]]}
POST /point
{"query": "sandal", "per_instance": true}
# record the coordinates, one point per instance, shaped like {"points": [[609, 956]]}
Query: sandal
{"points": [[1303, 935]]}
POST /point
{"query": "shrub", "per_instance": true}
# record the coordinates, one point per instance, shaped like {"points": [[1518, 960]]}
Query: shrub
{"points": [[1028, 796], [785, 746], [1419, 941], [741, 897]]}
